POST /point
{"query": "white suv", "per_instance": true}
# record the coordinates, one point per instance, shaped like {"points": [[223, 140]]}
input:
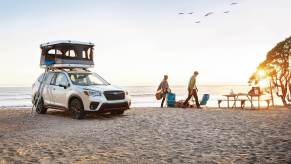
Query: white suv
{"points": [[79, 91]]}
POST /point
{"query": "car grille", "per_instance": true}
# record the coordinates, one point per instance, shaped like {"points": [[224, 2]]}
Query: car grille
{"points": [[114, 95]]}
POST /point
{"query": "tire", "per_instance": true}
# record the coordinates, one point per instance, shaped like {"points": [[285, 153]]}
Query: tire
{"points": [[40, 109], [120, 112], [77, 109]]}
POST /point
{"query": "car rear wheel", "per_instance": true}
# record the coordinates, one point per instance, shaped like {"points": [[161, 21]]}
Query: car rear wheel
{"points": [[77, 109], [40, 109]]}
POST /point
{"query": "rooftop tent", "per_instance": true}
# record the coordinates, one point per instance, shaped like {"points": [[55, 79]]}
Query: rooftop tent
{"points": [[67, 54]]}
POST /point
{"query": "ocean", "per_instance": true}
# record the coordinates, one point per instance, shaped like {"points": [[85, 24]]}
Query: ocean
{"points": [[142, 96]]}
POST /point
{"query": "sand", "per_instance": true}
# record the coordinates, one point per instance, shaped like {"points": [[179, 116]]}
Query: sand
{"points": [[147, 135]]}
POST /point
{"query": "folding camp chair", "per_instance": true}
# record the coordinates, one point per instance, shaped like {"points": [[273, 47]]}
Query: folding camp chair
{"points": [[204, 100], [171, 99]]}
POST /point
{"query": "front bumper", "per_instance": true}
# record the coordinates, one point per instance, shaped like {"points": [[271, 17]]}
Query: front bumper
{"points": [[101, 104], [108, 107]]}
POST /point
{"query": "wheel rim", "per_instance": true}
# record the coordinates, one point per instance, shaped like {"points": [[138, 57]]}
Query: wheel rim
{"points": [[76, 107]]}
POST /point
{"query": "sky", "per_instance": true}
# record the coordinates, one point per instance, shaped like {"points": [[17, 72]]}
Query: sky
{"points": [[137, 42]]}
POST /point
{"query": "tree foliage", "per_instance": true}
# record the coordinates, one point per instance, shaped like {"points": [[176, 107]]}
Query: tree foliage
{"points": [[278, 69]]}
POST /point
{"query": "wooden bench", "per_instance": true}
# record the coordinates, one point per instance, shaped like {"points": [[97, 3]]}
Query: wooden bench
{"points": [[268, 101], [242, 102]]}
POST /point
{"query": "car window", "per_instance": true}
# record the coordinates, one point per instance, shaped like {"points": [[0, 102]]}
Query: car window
{"points": [[53, 81], [86, 79], [61, 79], [39, 79], [49, 77]]}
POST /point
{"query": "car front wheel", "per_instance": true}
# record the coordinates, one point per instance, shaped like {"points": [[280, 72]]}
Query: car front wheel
{"points": [[77, 109]]}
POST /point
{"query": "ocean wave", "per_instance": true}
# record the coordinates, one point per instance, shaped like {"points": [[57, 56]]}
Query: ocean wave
{"points": [[14, 106], [145, 102], [142, 94], [14, 94], [15, 98]]}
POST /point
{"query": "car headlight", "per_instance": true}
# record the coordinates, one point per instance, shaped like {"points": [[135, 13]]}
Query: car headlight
{"points": [[92, 93]]}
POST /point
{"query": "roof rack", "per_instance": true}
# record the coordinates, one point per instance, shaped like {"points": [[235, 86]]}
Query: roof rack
{"points": [[67, 69], [67, 66]]}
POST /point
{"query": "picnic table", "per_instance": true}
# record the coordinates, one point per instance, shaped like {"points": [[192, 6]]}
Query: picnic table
{"points": [[242, 98]]}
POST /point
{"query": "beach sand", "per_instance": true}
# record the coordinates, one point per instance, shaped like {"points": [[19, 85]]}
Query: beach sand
{"points": [[147, 135]]}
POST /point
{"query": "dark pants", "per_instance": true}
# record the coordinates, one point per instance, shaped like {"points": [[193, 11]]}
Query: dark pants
{"points": [[164, 98], [190, 94]]}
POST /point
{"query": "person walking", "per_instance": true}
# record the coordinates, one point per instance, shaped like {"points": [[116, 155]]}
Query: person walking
{"points": [[164, 88], [192, 90]]}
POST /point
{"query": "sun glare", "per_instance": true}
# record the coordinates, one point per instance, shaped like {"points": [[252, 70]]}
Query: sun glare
{"points": [[261, 74], [264, 83], [263, 78]]}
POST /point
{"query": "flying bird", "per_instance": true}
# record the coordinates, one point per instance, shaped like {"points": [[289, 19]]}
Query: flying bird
{"points": [[226, 12], [233, 3], [197, 21], [180, 13], [210, 13]]}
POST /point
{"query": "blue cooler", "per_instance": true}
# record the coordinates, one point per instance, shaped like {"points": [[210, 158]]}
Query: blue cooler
{"points": [[171, 99]]}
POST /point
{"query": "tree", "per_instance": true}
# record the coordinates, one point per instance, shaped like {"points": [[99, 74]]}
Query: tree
{"points": [[278, 69]]}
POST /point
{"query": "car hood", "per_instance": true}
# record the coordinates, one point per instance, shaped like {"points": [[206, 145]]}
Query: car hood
{"points": [[103, 88]]}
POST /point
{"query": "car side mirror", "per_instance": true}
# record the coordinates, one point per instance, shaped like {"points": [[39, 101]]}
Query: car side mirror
{"points": [[64, 86]]}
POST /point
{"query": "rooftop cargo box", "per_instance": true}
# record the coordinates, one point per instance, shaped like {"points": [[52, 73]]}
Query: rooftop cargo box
{"points": [[67, 54]]}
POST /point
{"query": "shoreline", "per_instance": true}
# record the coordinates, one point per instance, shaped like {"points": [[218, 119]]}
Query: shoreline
{"points": [[168, 108]]}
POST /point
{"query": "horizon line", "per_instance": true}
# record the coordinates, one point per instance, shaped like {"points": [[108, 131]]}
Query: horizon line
{"points": [[178, 85]]}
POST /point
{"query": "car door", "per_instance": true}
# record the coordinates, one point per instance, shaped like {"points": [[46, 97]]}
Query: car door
{"points": [[59, 90], [47, 95]]}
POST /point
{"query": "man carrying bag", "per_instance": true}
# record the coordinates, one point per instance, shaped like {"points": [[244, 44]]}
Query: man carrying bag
{"points": [[192, 90]]}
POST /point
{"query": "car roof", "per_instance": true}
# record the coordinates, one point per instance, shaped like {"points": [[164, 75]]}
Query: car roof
{"points": [[66, 42]]}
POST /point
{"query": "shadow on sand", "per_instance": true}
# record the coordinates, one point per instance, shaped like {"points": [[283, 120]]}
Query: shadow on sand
{"points": [[89, 115]]}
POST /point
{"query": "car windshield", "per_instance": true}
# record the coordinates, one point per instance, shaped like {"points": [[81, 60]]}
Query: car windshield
{"points": [[87, 79]]}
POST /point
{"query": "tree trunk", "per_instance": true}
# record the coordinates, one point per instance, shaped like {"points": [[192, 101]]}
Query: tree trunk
{"points": [[283, 95]]}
